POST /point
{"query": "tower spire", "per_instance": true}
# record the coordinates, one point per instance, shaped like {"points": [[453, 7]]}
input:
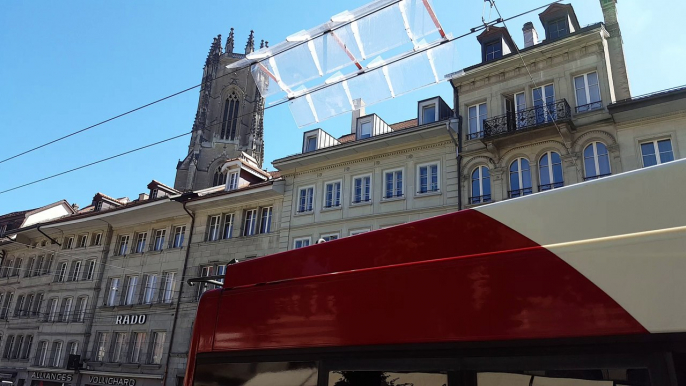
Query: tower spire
{"points": [[250, 46], [229, 43]]}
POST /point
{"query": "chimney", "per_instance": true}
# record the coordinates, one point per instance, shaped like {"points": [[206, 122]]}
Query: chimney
{"points": [[620, 77], [142, 197], [75, 206], [530, 34], [358, 111]]}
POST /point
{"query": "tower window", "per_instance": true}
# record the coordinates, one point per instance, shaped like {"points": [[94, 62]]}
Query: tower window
{"points": [[219, 177], [230, 120]]}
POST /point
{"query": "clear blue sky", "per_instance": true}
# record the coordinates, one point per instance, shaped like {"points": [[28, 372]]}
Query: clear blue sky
{"points": [[66, 65]]}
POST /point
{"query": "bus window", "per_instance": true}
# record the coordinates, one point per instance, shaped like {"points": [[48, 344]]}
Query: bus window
{"points": [[386, 378], [256, 374]]}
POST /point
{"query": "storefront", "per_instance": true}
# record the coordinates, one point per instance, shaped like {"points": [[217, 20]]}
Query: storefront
{"points": [[102, 378], [51, 378]]}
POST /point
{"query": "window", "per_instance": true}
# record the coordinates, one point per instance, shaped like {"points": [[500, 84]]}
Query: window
{"points": [[97, 239], [557, 29], [393, 186], [90, 270], [141, 238], [520, 178], [69, 243], [73, 348], [61, 275], [213, 228], [80, 312], [56, 354], [330, 236], [19, 306], [30, 267], [17, 266], [301, 242], [233, 181], [477, 115], [227, 230], [219, 177], [230, 120], [158, 243], [305, 199], [66, 309], [113, 294], [27, 347], [157, 347], [48, 264], [7, 269], [587, 92], [544, 103], [250, 222], [8, 347], [101, 346], [98, 206], [332, 195], [266, 220], [220, 271], [30, 303], [122, 245], [153, 193], [428, 113], [311, 143], [362, 189], [167, 287], [365, 129], [118, 340], [52, 310], [82, 242], [38, 305], [150, 287], [131, 289], [493, 51], [427, 176], [359, 231], [137, 340], [39, 263], [550, 171], [17, 347], [656, 152], [5, 309], [179, 232], [42, 354], [596, 161], [75, 271], [204, 272]]}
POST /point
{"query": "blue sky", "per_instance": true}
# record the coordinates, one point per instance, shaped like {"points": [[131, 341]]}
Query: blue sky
{"points": [[66, 65]]}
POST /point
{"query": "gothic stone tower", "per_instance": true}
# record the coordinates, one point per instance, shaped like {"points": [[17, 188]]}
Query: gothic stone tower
{"points": [[229, 120]]}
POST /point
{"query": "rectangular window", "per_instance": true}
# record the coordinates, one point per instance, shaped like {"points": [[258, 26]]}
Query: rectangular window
{"points": [[493, 50], [266, 220], [57, 354], [250, 222], [75, 271], [330, 236], [66, 309], [73, 348], [101, 347], [213, 228], [18, 346], [365, 130], [305, 199], [97, 239], [30, 267], [82, 241], [221, 271], [39, 265], [113, 294], [157, 347], [53, 310], [131, 289], [159, 239], [137, 340], [233, 181], [19, 305], [393, 183], [179, 232], [428, 114], [61, 272], [36, 310], [90, 272], [117, 346], [428, 178], [227, 230], [168, 287], [332, 196], [477, 115], [27, 347], [8, 346], [587, 92], [69, 244], [17, 266], [205, 272], [656, 152], [42, 354], [150, 287], [557, 29], [141, 238], [311, 143], [122, 245], [48, 264], [301, 242], [362, 189], [359, 231], [80, 314]]}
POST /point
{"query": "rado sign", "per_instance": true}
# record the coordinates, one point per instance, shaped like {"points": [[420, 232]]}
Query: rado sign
{"points": [[131, 319], [61, 377], [111, 380]]}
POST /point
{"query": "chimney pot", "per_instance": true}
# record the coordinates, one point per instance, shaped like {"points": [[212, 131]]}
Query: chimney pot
{"points": [[142, 197], [530, 34]]}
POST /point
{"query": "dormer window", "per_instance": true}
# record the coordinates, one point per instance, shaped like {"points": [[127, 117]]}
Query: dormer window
{"points": [[432, 110], [557, 28], [98, 206], [559, 21], [233, 181], [366, 129], [429, 113], [493, 51], [311, 143], [153, 194]]}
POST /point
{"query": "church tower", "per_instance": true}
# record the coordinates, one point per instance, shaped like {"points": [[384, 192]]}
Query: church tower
{"points": [[229, 120]]}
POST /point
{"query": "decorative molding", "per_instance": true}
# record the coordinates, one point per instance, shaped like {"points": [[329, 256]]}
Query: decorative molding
{"points": [[576, 145]]}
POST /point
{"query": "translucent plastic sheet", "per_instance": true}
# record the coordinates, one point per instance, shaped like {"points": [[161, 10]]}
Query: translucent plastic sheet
{"points": [[344, 47], [394, 78]]}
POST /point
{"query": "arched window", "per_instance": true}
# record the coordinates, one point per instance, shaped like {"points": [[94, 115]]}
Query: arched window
{"points": [[520, 178], [219, 177], [550, 171], [596, 161], [481, 185], [230, 118]]}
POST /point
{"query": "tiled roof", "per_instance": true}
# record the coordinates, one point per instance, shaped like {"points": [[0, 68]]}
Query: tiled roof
{"points": [[404, 124], [275, 174], [117, 200], [347, 138], [17, 213]]}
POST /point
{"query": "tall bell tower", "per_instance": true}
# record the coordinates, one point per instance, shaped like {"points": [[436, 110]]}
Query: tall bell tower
{"points": [[229, 119]]}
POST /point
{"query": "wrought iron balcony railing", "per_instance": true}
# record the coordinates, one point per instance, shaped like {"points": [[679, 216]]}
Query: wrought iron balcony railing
{"points": [[527, 119]]}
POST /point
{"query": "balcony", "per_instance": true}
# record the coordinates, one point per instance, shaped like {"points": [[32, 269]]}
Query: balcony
{"points": [[526, 120]]}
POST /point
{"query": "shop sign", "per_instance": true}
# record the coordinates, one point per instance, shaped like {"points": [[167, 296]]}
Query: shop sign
{"points": [[111, 380], [60, 377], [131, 319]]}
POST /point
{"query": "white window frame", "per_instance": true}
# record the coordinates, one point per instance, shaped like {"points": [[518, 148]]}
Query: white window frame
{"points": [[596, 158], [479, 122], [324, 236], [427, 104], [179, 235], [656, 149], [268, 224], [131, 290], [521, 191], [359, 231], [551, 173], [97, 239], [302, 240], [150, 288], [428, 182], [141, 240], [76, 271], [371, 189], [113, 291], [118, 343], [250, 222], [587, 90], [333, 194], [66, 312], [169, 284], [137, 341], [90, 273], [82, 241], [214, 224], [157, 347], [360, 125], [301, 209], [122, 245], [69, 244], [82, 304], [62, 272], [101, 346], [384, 197], [57, 358], [232, 180], [158, 239], [228, 220], [307, 143]]}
